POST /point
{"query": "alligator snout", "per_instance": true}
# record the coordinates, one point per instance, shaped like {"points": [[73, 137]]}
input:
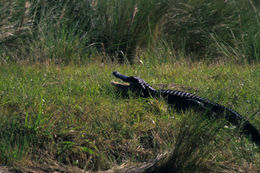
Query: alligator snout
{"points": [[120, 76], [123, 87]]}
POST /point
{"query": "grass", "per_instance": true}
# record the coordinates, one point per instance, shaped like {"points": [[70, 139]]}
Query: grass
{"points": [[58, 110], [71, 115], [73, 31]]}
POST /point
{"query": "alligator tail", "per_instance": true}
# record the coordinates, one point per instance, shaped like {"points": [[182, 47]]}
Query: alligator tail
{"points": [[250, 130], [246, 127]]}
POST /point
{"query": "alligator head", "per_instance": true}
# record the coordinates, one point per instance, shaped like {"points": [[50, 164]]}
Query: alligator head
{"points": [[133, 83]]}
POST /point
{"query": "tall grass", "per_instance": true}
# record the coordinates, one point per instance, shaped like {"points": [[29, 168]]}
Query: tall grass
{"points": [[193, 23], [244, 47], [193, 146], [15, 29], [67, 29], [72, 31]]}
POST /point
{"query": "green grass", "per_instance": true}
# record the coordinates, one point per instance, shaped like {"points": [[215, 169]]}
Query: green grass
{"points": [[58, 109], [75, 31], [71, 115]]}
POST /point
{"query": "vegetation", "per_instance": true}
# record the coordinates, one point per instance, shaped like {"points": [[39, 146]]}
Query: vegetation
{"points": [[73, 31], [71, 115], [58, 110]]}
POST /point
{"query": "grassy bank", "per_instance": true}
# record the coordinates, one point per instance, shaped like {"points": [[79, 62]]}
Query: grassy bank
{"points": [[58, 110], [55, 116]]}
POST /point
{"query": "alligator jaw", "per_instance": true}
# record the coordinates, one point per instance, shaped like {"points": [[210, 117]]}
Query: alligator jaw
{"points": [[121, 76], [121, 86]]}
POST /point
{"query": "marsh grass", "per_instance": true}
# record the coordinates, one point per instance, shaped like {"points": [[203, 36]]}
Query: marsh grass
{"points": [[72, 31], [195, 142], [71, 115], [235, 23]]}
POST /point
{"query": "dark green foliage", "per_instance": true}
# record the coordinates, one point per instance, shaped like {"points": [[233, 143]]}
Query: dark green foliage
{"points": [[193, 23], [72, 31], [72, 28], [121, 26]]}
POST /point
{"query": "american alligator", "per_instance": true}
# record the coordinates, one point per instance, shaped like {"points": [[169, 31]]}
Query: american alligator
{"points": [[183, 100]]}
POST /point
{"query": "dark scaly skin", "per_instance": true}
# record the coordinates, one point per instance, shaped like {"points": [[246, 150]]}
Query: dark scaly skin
{"points": [[184, 100]]}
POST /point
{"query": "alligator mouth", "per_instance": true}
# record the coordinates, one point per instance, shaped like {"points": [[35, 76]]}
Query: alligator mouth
{"points": [[121, 86]]}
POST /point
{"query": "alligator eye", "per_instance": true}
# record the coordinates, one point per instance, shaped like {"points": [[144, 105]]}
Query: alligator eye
{"points": [[133, 80]]}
